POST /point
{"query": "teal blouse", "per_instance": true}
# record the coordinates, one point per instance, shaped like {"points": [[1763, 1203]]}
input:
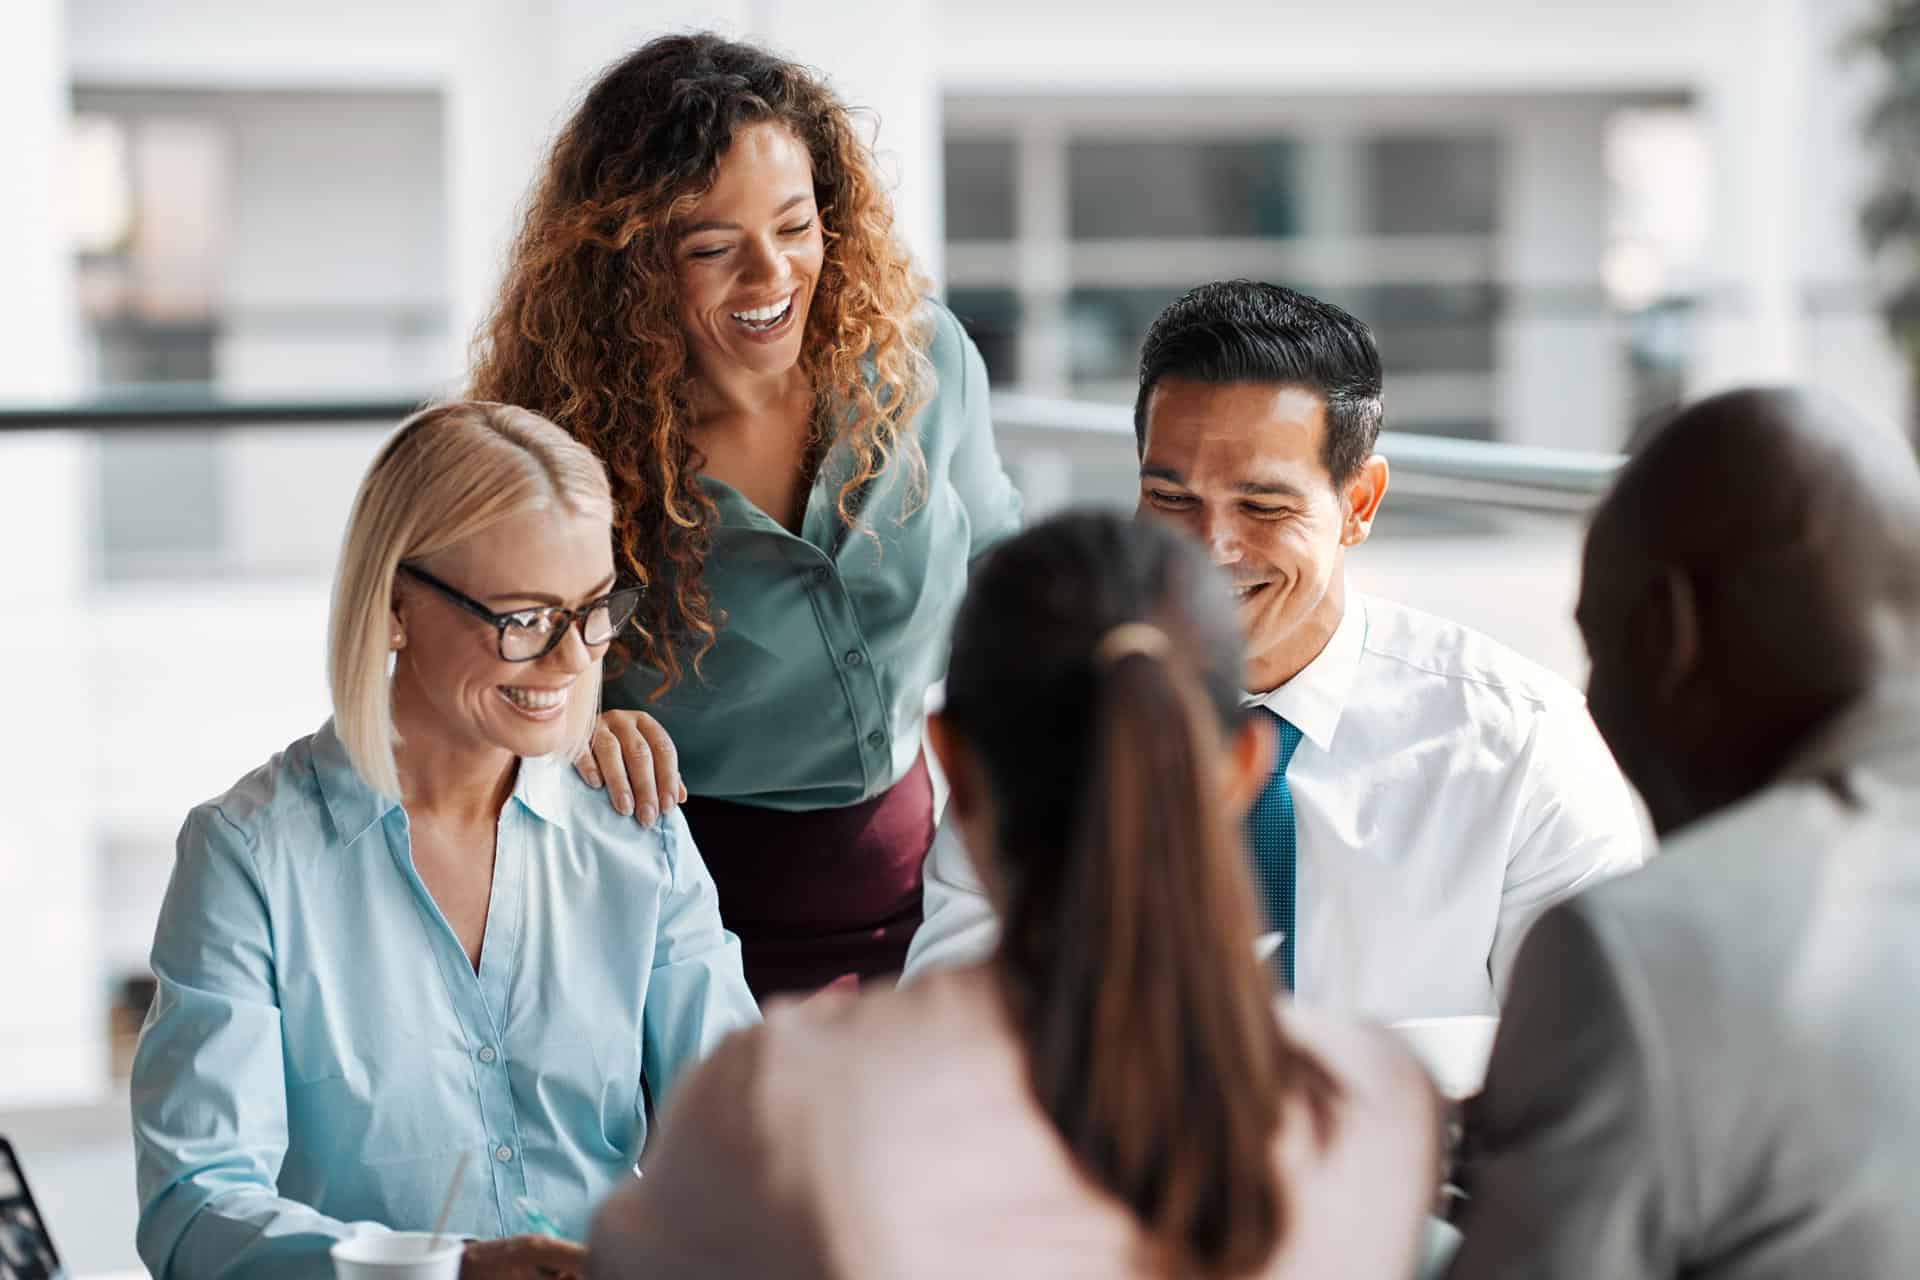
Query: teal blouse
{"points": [[813, 695]]}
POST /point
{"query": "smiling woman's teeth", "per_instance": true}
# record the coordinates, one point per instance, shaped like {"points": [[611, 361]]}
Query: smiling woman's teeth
{"points": [[765, 317], [534, 699]]}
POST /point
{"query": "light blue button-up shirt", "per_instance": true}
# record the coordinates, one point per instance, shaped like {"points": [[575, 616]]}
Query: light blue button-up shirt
{"points": [[320, 1052]]}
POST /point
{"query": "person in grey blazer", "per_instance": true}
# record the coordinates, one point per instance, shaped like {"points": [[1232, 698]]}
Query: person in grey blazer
{"points": [[1708, 1067]]}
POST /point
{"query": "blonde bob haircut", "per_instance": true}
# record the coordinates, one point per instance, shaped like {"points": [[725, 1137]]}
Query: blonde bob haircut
{"points": [[449, 472]]}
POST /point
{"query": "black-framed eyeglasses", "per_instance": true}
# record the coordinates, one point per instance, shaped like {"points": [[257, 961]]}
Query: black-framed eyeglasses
{"points": [[526, 634]]}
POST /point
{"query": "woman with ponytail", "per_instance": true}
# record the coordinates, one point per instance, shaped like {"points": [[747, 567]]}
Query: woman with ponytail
{"points": [[1115, 1092]]}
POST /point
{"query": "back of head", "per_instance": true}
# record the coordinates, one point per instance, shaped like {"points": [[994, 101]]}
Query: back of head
{"points": [[1247, 331], [1096, 675], [1754, 570], [447, 473]]}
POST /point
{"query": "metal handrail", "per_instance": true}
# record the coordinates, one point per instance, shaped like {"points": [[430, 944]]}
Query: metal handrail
{"points": [[1437, 466], [159, 407]]}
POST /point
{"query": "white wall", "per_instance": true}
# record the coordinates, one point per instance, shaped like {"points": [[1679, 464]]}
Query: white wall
{"points": [[1289, 46], [53, 1013], [1364, 44], [244, 44]]}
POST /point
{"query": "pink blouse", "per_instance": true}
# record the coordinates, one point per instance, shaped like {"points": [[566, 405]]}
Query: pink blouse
{"points": [[894, 1134]]}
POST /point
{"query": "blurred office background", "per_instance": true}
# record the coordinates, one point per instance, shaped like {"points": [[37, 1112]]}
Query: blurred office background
{"points": [[236, 237]]}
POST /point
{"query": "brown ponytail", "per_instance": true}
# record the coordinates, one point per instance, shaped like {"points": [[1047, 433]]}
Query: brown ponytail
{"points": [[1127, 947]]}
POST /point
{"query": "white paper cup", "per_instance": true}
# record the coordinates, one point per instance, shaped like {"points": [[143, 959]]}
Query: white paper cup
{"points": [[402, 1255], [1453, 1050]]}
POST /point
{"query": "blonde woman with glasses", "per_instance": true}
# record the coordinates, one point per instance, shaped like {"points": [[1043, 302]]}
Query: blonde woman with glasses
{"points": [[414, 940]]}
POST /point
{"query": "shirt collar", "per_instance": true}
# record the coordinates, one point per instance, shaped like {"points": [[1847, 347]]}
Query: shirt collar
{"points": [[1313, 700], [351, 804], [540, 787]]}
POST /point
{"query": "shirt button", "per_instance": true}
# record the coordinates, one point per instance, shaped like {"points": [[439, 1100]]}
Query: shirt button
{"points": [[487, 1054], [855, 657], [503, 1153], [876, 739], [819, 573]]}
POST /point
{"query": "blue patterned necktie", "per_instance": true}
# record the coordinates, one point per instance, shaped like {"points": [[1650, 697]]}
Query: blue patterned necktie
{"points": [[1270, 834]]}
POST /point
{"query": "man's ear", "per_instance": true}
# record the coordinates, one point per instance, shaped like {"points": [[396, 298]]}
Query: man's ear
{"points": [[1363, 495], [1664, 630], [1249, 762]]}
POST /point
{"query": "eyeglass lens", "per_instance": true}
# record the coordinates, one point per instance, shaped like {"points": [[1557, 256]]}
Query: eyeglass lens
{"points": [[531, 634]]}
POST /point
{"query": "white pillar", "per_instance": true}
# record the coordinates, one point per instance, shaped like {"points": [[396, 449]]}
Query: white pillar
{"points": [[53, 1036], [1561, 371], [1042, 273], [1753, 102], [38, 326], [500, 109], [1334, 201]]}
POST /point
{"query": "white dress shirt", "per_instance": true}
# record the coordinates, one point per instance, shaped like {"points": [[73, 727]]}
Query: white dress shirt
{"points": [[1446, 791]]}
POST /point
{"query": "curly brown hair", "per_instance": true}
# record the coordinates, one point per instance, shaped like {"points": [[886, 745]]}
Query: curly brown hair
{"points": [[586, 330]]}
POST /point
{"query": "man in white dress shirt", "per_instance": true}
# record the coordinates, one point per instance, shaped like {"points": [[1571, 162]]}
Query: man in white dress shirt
{"points": [[1438, 791]]}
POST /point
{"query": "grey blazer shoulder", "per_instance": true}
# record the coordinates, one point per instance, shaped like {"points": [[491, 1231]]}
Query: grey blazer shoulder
{"points": [[1706, 1066]]}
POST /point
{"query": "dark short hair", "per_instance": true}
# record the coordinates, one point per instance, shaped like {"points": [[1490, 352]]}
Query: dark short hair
{"points": [[1248, 331]]}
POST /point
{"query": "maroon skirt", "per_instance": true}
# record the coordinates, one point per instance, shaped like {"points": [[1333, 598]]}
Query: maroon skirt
{"points": [[827, 896]]}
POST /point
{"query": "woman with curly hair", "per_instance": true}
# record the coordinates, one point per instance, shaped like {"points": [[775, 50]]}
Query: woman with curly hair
{"points": [[708, 292]]}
